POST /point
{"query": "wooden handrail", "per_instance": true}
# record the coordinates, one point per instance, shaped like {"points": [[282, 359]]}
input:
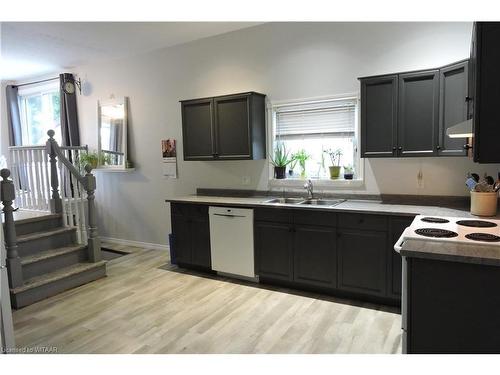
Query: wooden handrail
{"points": [[89, 184]]}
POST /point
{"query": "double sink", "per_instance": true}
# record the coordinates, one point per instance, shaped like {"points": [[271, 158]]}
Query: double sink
{"points": [[304, 201]]}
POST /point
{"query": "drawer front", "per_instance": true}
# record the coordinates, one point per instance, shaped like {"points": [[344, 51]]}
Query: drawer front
{"points": [[180, 209], [276, 215], [363, 221], [199, 210], [189, 209], [323, 218]]}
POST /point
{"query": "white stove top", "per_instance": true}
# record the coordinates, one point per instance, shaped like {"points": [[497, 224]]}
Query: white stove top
{"points": [[461, 230]]}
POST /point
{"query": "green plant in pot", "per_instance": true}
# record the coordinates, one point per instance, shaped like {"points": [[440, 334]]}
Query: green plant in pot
{"points": [[292, 166], [94, 158], [280, 160], [302, 156], [348, 172], [335, 156]]}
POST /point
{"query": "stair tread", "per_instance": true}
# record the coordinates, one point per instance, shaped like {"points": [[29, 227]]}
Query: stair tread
{"points": [[47, 254], [46, 233], [57, 275], [35, 219]]}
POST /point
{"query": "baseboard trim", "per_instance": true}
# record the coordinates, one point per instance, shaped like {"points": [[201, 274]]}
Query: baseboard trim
{"points": [[147, 245]]}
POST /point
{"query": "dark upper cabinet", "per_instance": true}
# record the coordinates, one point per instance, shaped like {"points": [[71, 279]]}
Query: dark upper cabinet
{"points": [[407, 114], [362, 261], [418, 115], [191, 249], [230, 127], [274, 250], [197, 129], [485, 95], [379, 111], [315, 255], [453, 93]]}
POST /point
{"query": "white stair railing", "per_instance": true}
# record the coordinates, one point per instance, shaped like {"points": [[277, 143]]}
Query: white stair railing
{"points": [[31, 174]]}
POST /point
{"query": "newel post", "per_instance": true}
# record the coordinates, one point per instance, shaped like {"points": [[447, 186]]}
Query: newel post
{"points": [[94, 243], [55, 202], [7, 196]]}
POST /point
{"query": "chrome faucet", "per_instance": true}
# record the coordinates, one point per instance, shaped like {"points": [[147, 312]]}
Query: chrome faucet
{"points": [[309, 187]]}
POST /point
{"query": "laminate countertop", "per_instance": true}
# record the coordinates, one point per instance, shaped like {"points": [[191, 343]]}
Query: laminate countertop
{"points": [[349, 205], [458, 252]]}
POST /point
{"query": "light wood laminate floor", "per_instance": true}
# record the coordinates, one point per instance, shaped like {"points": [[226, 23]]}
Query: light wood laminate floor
{"points": [[141, 308]]}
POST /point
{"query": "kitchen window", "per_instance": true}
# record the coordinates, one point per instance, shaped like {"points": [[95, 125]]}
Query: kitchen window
{"points": [[39, 107], [313, 128]]}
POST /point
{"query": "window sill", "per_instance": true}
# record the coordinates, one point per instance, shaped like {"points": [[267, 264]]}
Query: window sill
{"points": [[323, 183]]}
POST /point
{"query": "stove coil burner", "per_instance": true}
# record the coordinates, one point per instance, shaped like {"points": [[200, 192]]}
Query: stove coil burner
{"points": [[486, 237], [476, 223], [436, 232], [437, 220]]}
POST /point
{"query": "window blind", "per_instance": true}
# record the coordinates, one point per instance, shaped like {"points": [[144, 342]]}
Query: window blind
{"points": [[325, 117]]}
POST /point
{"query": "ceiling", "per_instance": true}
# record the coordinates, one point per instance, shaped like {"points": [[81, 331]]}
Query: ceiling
{"points": [[31, 49]]}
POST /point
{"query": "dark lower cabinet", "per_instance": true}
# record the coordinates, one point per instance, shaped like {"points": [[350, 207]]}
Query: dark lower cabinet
{"points": [[191, 235], [452, 307], [182, 238], [274, 250], [200, 233], [362, 261], [308, 249], [315, 255]]}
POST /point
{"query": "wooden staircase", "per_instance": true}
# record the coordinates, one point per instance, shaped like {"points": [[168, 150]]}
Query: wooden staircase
{"points": [[52, 243], [51, 260]]}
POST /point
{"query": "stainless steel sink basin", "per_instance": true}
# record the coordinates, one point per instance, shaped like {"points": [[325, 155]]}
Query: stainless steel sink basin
{"points": [[285, 200], [322, 202]]}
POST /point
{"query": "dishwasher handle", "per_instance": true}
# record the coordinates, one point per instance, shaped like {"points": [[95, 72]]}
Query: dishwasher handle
{"points": [[228, 215]]}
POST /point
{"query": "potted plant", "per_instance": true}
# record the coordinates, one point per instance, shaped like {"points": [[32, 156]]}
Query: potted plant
{"points": [[293, 163], [348, 172], [280, 160], [302, 156], [335, 156], [94, 158]]}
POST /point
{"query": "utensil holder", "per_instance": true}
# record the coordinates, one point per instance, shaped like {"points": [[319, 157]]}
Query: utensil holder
{"points": [[483, 203]]}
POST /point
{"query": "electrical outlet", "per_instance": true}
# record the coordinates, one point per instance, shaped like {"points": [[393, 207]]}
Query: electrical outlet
{"points": [[420, 179], [245, 180]]}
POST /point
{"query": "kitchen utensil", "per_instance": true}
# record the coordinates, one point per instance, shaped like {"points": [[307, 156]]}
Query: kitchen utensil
{"points": [[471, 183], [475, 176], [489, 180]]}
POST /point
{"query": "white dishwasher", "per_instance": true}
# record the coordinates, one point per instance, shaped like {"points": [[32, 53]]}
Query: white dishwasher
{"points": [[231, 241]]}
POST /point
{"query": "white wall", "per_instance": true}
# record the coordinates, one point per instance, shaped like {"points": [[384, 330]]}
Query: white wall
{"points": [[285, 61]]}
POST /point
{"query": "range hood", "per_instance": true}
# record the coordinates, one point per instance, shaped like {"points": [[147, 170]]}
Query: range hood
{"points": [[461, 130]]}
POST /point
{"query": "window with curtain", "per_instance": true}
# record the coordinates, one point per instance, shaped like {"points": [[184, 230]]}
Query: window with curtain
{"points": [[39, 109], [315, 127]]}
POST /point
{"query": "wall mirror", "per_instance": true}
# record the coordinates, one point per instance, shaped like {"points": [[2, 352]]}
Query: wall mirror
{"points": [[112, 133]]}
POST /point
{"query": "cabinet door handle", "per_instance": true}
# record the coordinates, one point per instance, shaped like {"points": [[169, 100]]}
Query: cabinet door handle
{"points": [[467, 146], [438, 147], [400, 148]]}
